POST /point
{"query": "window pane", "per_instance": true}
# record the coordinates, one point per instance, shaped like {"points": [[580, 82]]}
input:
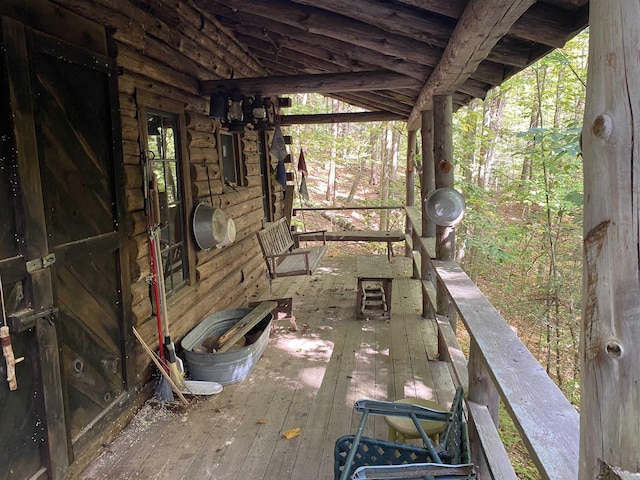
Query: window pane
{"points": [[166, 166]]}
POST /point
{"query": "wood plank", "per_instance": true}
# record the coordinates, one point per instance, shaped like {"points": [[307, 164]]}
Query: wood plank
{"points": [[414, 215], [314, 408], [368, 266], [229, 338], [353, 236], [487, 449], [449, 351], [540, 407]]}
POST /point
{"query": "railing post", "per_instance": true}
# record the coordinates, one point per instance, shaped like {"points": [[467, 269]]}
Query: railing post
{"points": [[410, 195], [427, 185], [443, 160], [481, 387]]}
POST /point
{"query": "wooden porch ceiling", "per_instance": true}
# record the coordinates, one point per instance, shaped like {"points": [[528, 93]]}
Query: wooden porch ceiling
{"points": [[419, 48]]}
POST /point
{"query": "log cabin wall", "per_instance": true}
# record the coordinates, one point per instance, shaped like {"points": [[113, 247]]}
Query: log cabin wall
{"points": [[165, 49]]}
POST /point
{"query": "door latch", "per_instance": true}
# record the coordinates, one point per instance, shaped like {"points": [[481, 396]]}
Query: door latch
{"points": [[40, 263], [27, 318]]}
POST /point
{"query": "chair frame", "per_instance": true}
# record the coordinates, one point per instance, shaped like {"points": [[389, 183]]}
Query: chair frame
{"points": [[453, 448]]}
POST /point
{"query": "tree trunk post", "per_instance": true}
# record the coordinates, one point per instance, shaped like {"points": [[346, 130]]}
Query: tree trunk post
{"points": [[428, 183], [410, 192], [443, 160], [610, 338]]}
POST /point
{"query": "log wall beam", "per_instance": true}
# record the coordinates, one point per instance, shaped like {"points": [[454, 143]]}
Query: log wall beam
{"points": [[318, 83]]}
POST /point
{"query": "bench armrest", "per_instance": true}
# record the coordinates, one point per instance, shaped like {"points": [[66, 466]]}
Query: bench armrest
{"points": [[296, 236]]}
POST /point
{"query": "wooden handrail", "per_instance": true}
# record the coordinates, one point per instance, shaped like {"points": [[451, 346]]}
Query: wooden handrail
{"points": [[547, 422], [323, 209]]}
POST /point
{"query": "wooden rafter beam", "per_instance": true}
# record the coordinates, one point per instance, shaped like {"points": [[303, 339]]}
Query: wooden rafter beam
{"points": [[331, 25], [283, 36], [410, 22], [542, 23], [319, 83], [342, 35], [341, 118], [481, 26]]}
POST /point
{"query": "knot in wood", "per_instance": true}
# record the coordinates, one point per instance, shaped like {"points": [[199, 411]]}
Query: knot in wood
{"points": [[602, 126], [614, 349]]}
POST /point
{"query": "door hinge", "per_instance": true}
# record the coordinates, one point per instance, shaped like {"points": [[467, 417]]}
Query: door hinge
{"points": [[40, 263]]}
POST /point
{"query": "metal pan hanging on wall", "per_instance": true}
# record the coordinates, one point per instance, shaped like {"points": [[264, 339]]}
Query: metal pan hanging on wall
{"points": [[445, 207], [209, 226], [230, 237]]}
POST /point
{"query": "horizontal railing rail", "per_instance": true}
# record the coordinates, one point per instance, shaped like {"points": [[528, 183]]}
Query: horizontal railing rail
{"points": [[500, 367], [331, 209]]}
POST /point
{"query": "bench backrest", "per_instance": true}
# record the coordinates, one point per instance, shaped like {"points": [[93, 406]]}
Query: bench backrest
{"points": [[275, 238]]}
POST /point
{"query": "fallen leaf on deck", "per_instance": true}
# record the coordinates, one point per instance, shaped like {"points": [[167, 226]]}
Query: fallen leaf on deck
{"points": [[262, 421], [289, 434]]}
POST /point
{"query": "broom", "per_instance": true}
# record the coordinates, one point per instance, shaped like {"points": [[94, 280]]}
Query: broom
{"points": [[161, 367], [171, 359], [163, 389]]}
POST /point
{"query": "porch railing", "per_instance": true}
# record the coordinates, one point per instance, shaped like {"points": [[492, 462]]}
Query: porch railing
{"points": [[499, 367]]}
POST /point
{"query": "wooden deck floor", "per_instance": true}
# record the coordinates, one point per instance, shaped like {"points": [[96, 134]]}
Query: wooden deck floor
{"points": [[307, 379]]}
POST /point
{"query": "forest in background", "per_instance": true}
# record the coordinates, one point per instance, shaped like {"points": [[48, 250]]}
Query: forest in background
{"points": [[517, 162]]}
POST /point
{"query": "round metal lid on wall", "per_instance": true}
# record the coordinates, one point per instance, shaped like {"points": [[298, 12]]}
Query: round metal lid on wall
{"points": [[445, 207], [209, 226]]}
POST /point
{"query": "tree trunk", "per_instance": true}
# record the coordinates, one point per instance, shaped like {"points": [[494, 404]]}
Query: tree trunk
{"points": [[492, 122], [609, 413], [386, 153], [335, 132], [375, 158], [355, 184]]}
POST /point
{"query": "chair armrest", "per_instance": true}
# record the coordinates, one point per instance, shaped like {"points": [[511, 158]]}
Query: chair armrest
{"points": [[415, 470], [381, 407]]}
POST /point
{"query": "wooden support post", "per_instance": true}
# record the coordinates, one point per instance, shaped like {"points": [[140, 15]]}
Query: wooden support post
{"points": [[610, 334], [443, 159], [481, 387], [428, 183], [410, 190]]}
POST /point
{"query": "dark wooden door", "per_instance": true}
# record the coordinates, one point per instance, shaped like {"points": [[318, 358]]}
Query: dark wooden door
{"points": [[67, 211]]}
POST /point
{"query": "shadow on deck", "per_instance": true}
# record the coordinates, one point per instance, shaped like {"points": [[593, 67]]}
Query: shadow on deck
{"points": [[307, 379]]}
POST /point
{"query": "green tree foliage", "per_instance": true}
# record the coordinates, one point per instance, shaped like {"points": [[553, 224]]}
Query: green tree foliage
{"points": [[369, 161], [523, 231]]}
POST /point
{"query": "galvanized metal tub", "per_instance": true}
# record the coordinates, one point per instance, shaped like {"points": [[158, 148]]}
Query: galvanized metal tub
{"points": [[229, 367]]}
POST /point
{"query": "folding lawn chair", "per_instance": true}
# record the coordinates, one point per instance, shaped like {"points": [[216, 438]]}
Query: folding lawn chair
{"points": [[449, 459]]}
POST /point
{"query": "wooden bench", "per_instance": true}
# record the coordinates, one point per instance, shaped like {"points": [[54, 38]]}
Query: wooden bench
{"points": [[386, 236], [283, 260]]}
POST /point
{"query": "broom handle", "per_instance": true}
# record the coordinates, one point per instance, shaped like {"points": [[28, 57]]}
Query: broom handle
{"points": [[150, 180], [160, 273], [160, 368]]}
